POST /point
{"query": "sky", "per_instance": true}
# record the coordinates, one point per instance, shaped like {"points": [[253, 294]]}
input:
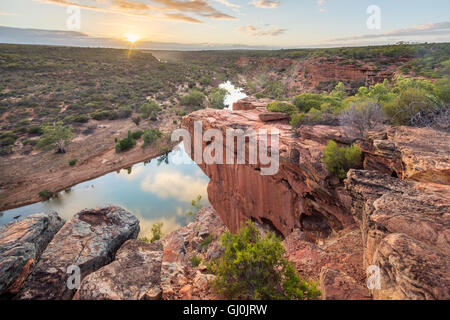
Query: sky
{"points": [[281, 24]]}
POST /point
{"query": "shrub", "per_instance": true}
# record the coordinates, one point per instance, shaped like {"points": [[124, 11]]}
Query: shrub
{"points": [[104, 115], [125, 144], [297, 120], [73, 162], [306, 101], [278, 106], [409, 103], [272, 90], [217, 97], [156, 231], [339, 160], [363, 116], [45, 194], [150, 136], [194, 99], [124, 112], [7, 138], [137, 134], [207, 241], [35, 130], [137, 120], [57, 136], [195, 261], [149, 109], [254, 267]]}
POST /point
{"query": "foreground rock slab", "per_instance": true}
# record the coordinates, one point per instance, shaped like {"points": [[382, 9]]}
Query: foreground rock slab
{"points": [[135, 274], [405, 229], [21, 245], [89, 241]]}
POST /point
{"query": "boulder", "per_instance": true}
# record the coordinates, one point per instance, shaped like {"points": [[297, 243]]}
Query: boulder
{"points": [[135, 274], [88, 241], [21, 245], [250, 103], [273, 116]]}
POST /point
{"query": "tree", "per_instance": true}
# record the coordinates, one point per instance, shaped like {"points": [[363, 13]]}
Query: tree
{"points": [[196, 206], [339, 160], [254, 267], [193, 99], [363, 115], [217, 98], [55, 136]]}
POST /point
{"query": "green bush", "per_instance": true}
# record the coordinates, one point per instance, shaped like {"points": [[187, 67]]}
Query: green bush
{"points": [[194, 99], [195, 261], [254, 267], [207, 241], [278, 106], [217, 97], [410, 102], [339, 160], [306, 101], [73, 162], [45, 194], [151, 136], [35, 130], [104, 115], [156, 231], [137, 134], [272, 90], [55, 136], [126, 144], [124, 112], [149, 109], [7, 138], [297, 120]]}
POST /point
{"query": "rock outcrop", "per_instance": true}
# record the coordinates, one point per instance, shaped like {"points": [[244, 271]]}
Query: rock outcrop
{"points": [[404, 224], [405, 229], [21, 245], [179, 279], [135, 274], [88, 241], [163, 269]]}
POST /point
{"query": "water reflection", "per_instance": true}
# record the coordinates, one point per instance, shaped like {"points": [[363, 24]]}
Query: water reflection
{"points": [[234, 94], [160, 190]]}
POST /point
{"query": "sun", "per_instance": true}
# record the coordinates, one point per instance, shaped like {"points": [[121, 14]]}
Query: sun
{"points": [[131, 37]]}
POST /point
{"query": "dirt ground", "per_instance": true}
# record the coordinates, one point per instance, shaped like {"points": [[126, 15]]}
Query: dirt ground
{"points": [[24, 174]]}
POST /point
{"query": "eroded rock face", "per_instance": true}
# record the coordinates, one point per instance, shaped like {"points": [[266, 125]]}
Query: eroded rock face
{"points": [[135, 274], [405, 229], [21, 245], [179, 279], [301, 195], [89, 240]]}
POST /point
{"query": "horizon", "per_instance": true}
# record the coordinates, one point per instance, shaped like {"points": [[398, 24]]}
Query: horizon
{"points": [[222, 24]]}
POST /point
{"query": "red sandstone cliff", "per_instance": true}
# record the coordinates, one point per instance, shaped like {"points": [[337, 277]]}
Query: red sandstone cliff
{"points": [[318, 214]]}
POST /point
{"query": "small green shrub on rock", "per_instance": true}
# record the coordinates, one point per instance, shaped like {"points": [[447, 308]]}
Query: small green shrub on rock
{"points": [[195, 261], [339, 160], [278, 106], [254, 267], [126, 144], [45, 194]]}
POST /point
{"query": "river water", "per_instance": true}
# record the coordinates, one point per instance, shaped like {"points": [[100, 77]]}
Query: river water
{"points": [[158, 191]]}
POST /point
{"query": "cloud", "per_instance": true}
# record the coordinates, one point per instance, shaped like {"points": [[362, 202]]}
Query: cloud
{"points": [[321, 4], [422, 30], [266, 4], [267, 30], [179, 10], [228, 4], [170, 184], [8, 14]]}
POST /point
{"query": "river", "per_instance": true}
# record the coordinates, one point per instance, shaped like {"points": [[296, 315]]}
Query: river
{"points": [[158, 191]]}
